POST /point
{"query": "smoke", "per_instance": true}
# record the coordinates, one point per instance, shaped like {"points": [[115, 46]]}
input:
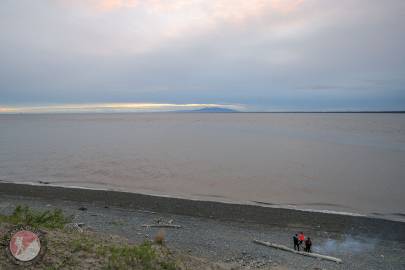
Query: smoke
{"points": [[346, 245]]}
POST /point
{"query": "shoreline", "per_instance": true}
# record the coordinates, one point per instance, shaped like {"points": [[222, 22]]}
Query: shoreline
{"points": [[224, 211], [206, 199]]}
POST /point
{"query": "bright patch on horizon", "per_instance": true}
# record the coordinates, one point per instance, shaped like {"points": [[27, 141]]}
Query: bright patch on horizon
{"points": [[113, 107]]}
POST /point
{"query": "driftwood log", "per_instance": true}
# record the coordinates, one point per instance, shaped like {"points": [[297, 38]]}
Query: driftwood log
{"points": [[314, 255], [162, 226]]}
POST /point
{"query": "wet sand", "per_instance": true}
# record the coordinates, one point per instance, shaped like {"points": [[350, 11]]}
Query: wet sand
{"points": [[343, 224]]}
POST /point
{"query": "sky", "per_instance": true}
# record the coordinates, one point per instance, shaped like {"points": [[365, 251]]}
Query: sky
{"points": [[251, 55]]}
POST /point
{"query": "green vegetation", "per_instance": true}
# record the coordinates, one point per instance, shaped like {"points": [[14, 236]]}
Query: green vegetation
{"points": [[114, 256], [136, 257], [69, 249], [23, 215]]}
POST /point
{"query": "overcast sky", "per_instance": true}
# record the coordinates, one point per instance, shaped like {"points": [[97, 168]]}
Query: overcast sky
{"points": [[256, 54]]}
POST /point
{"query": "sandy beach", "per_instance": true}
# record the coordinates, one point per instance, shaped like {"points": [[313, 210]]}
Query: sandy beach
{"points": [[224, 232]]}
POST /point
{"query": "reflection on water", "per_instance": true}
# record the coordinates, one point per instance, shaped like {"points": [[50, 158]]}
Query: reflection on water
{"points": [[343, 162]]}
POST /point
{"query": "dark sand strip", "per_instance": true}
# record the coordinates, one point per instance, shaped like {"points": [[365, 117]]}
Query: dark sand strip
{"points": [[386, 229]]}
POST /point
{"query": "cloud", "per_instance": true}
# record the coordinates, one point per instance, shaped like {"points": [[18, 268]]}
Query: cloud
{"points": [[100, 5], [164, 20], [224, 8], [260, 53]]}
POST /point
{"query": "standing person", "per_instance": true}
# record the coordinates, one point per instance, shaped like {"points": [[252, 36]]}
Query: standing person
{"points": [[308, 244], [301, 238], [296, 245]]}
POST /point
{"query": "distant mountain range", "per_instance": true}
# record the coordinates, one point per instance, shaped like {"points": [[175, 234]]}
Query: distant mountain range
{"points": [[212, 110]]}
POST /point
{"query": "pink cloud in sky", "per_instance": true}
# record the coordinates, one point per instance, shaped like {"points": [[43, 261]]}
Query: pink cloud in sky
{"points": [[225, 9], [138, 26]]}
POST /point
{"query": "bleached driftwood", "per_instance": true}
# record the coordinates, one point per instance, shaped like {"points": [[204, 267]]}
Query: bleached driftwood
{"points": [[315, 255], [162, 226]]}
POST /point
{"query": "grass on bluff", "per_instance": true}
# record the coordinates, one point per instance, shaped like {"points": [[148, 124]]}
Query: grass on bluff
{"points": [[117, 256], [129, 257], [67, 249], [23, 215]]}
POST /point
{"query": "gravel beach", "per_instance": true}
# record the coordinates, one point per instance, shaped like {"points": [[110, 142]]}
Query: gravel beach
{"points": [[227, 241]]}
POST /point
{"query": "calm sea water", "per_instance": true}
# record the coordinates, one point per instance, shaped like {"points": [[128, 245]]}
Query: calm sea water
{"points": [[341, 162]]}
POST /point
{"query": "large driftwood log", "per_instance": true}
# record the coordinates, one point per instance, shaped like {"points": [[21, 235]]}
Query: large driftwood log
{"points": [[162, 226], [281, 247]]}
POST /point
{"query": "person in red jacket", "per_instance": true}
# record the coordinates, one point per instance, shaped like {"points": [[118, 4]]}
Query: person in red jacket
{"points": [[301, 238]]}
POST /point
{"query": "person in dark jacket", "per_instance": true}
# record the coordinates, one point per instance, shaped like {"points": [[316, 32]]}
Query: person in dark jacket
{"points": [[308, 244], [296, 244]]}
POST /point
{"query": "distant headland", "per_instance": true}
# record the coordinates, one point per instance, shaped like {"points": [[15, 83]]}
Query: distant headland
{"points": [[211, 110]]}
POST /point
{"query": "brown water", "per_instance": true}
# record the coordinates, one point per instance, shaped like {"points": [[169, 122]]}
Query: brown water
{"points": [[342, 162]]}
